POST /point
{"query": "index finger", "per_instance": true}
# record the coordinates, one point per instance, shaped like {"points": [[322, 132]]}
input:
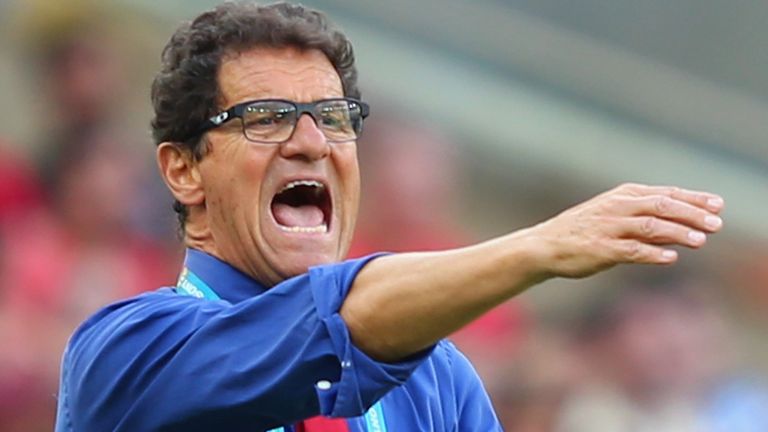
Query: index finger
{"points": [[705, 200]]}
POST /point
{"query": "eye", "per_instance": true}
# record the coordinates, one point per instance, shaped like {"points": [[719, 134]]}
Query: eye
{"points": [[269, 119], [264, 118], [334, 116], [333, 121]]}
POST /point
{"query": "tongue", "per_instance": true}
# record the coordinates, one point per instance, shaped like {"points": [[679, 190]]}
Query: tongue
{"points": [[301, 216]]}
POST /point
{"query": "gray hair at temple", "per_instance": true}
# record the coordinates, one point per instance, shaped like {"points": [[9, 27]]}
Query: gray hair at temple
{"points": [[185, 92]]}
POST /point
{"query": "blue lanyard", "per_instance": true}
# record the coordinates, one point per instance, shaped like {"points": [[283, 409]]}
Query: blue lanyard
{"points": [[191, 285]]}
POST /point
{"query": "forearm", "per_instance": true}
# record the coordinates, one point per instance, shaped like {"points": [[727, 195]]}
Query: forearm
{"points": [[401, 304]]}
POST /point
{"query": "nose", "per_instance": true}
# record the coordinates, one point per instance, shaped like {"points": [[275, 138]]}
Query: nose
{"points": [[307, 142]]}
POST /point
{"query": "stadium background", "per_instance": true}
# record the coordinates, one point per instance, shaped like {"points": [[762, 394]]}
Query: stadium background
{"points": [[488, 116]]}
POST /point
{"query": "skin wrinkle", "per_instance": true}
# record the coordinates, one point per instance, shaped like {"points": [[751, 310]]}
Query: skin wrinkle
{"points": [[251, 82], [230, 192], [240, 178]]}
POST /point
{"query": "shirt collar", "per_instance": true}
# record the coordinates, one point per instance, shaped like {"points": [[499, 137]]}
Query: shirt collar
{"points": [[228, 282]]}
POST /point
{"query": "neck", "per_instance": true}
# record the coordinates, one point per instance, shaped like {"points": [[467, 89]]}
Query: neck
{"points": [[197, 235]]}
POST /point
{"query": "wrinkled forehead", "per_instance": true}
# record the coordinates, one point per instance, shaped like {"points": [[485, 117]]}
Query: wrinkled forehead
{"points": [[281, 73]]}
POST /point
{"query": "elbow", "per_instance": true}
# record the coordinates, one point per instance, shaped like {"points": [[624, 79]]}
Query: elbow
{"points": [[367, 337]]}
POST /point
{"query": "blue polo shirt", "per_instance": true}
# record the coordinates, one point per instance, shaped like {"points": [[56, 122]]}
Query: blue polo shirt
{"points": [[250, 359]]}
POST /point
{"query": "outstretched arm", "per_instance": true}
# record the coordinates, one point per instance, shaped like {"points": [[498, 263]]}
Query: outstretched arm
{"points": [[401, 304]]}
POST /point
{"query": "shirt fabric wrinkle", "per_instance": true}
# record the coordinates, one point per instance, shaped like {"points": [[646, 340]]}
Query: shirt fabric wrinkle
{"points": [[252, 361]]}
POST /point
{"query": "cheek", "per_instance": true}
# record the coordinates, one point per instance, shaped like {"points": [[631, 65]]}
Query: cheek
{"points": [[247, 179], [345, 159], [348, 171], [232, 182]]}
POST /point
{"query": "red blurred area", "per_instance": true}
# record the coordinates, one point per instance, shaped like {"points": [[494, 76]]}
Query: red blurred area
{"points": [[73, 215]]}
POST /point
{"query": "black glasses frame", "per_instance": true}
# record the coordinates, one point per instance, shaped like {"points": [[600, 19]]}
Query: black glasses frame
{"points": [[238, 110]]}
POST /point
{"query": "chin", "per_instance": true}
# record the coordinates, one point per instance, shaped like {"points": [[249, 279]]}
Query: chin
{"points": [[297, 263], [302, 225]]}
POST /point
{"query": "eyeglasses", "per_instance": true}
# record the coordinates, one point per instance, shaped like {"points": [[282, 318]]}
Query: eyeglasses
{"points": [[274, 120]]}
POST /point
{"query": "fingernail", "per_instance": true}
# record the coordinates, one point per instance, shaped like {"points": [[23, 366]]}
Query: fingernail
{"points": [[669, 255], [715, 203], [697, 237], [713, 222]]}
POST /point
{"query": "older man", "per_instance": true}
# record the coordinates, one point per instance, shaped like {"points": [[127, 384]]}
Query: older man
{"points": [[257, 115]]}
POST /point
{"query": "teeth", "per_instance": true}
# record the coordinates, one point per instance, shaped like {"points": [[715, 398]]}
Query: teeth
{"points": [[298, 229], [295, 183]]}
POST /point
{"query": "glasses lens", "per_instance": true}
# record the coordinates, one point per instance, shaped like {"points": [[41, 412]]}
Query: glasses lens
{"points": [[340, 120], [269, 121]]}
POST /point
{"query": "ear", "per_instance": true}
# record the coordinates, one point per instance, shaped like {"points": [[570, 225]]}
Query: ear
{"points": [[181, 173]]}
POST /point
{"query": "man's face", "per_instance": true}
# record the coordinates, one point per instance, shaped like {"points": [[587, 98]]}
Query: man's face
{"points": [[276, 209]]}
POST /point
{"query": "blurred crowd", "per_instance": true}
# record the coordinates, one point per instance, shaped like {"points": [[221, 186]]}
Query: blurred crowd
{"points": [[85, 220], [653, 353], [79, 225]]}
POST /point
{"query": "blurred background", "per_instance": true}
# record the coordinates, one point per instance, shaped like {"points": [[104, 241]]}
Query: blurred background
{"points": [[488, 116]]}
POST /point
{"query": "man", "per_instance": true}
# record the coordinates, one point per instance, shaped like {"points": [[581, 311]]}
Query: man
{"points": [[257, 114]]}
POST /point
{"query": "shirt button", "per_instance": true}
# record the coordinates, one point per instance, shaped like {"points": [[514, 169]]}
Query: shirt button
{"points": [[324, 385], [346, 364]]}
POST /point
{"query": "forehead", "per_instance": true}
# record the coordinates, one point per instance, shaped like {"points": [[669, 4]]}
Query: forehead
{"points": [[283, 73]]}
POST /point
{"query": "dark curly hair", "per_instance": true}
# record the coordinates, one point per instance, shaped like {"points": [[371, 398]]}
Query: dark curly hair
{"points": [[185, 91]]}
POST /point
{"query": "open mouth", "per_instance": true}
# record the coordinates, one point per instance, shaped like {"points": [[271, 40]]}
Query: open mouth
{"points": [[302, 206]]}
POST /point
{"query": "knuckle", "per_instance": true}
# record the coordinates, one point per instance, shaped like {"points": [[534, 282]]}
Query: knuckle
{"points": [[663, 205], [628, 187], [633, 251], [648, 226], [610, 203]]}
